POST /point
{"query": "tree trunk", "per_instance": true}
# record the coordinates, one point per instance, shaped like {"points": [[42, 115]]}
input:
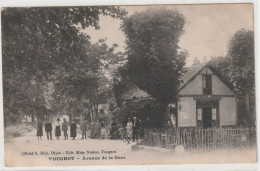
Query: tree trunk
{"points": [[247, 103], [32, 118], [75, 104], [92, 112]]}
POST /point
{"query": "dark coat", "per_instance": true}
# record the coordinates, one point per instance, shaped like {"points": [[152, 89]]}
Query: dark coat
{"points": [[136, 125], [39, 130], [48, 127], [113, 127], [73, 130], [57, 131]]}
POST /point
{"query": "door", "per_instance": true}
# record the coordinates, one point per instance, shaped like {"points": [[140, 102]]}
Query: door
{"points": [[207, 117]]}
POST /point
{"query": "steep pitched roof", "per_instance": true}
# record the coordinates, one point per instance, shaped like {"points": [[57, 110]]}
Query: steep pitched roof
{"points": [[195, 70]]}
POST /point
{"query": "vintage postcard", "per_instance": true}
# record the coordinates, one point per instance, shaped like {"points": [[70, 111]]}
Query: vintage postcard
{"points": [[128, 85]]}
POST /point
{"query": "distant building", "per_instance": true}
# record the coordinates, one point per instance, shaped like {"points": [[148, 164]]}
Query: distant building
{"points": [[206, 99], [103, 108]]}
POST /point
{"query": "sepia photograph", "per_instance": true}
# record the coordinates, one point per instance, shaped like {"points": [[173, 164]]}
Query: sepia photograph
{"points": [[129, 85]]}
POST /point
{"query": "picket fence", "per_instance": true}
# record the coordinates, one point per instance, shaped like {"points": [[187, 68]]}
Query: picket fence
{"points": [[198, 138]]}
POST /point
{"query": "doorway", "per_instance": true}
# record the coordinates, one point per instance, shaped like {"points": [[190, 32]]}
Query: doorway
{"points": [[207, 117], [207, 113]]}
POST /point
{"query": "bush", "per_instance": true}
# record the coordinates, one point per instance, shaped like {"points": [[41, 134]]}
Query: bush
{"points": [[17, 130]]}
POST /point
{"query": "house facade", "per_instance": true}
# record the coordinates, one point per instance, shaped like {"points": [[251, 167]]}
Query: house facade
{"points": [[206, 100]]}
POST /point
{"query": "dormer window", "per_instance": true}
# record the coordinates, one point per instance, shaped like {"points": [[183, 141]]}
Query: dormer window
{"points": [[207, 84]]}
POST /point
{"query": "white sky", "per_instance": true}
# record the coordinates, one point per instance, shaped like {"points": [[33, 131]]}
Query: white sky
{"points": [[208, 28]]}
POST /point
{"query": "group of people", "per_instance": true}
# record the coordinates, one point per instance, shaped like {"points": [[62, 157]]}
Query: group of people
{"points": [[134, 127], [58, 128], [97, 129]]}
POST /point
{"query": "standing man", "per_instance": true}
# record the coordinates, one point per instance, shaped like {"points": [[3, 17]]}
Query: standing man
{"points": [[48, 129], [113, 128], [73, 129], [83, 127], [135, 129], [65, 125]]}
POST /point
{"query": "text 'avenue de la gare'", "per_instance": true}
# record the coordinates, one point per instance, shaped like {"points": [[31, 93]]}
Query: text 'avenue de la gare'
{"points": [[88, 158]]}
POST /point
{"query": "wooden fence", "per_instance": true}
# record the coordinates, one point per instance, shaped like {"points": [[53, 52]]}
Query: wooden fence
{"points": [[196, 138]]}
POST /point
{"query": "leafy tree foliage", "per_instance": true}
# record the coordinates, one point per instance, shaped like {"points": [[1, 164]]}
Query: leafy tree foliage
{"points": [[238, 67], [43, 44], [85, 81], [155, 61], [241, 53]]}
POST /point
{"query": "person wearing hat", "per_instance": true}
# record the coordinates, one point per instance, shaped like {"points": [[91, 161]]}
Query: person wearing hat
{"points": [[129, 127], [113, 128], [48, 129], [73, 129], [65, 126], [135, 129], [57, 129]]}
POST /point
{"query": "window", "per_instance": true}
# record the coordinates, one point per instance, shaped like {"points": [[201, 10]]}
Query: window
{"points": [[199, 111], [207, 84], [214, 114]]}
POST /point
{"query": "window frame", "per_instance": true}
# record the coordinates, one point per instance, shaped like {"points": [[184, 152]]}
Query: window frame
{"points": [[207, 84]]}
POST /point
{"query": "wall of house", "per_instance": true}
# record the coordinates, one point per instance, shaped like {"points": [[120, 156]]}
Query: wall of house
{"points": [[194, 87], [219, 88], [186, 112], [227, 111], [206, 71]]}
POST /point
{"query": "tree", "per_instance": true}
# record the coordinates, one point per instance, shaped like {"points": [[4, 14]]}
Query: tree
{"points": [[86, 80], [38, 41], [241, 54], [155, 61]]}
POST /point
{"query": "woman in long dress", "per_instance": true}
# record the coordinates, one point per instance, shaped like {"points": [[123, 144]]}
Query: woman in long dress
{"points": [[92, 127], [57, 129], [39, 130]]}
